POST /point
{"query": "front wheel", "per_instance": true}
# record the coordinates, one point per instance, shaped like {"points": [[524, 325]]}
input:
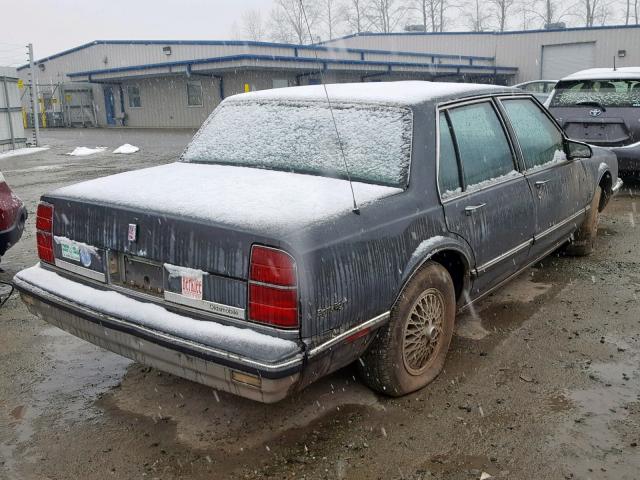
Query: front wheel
{"points": [[410, 351], [584, 239]]}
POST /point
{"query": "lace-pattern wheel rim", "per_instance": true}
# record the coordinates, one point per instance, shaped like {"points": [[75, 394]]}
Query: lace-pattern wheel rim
{"points": [[423, 331]]}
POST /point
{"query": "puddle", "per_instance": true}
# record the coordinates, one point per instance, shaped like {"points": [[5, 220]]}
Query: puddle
{"points": [[511, 302], [599, 428], [75, 374]]}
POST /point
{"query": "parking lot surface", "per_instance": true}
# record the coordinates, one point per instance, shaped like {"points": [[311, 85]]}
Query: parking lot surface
{"points": [[542, 380]]}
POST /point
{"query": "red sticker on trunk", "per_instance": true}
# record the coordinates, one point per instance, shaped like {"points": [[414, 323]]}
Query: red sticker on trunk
{"points": [[192, 287]]}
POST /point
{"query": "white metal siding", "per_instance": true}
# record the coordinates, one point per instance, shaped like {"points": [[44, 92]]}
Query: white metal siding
{"points": [[10, 121], [558, 61]]}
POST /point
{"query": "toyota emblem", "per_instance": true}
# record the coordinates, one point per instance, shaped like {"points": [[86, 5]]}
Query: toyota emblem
{"points": [[596, 112]]}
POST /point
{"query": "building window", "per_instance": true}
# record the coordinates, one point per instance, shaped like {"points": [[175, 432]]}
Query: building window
{"points": [[133, 92], [280, 83], [194, 94]]}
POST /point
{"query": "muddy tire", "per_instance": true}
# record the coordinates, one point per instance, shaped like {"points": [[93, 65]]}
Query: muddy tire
{"points": [[410, 350], [584, 239]]}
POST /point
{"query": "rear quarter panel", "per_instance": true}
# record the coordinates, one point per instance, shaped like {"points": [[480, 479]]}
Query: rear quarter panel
{"points": [[352, 269]]}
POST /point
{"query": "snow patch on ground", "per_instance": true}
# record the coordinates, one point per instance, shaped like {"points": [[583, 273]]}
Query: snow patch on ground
{"points": [[126, 149], [84, 151], [241, 341], [22, 151]]}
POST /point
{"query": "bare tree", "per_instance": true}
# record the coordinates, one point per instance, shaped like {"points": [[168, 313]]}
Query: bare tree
{"points": [[502, 11], [354, 14], [632, 12], [477, 15], [587, 11], [330, 16], [431, 13], [385, 15], [549, 11], [253, 27], [288, 21]]}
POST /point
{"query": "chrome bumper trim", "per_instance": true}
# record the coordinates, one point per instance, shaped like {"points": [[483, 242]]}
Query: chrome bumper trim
{"points": [[616, 188], [84, 272], [32, 291], [374, 322], [213, 307]]}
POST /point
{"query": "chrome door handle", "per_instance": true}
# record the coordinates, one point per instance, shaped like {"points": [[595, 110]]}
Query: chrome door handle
{"points": [[541, 183], [471, 209]]}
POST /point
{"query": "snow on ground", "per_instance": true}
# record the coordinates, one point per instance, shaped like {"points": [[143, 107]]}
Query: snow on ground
{"points": [[126, 148], [22, 151], [84, 151]]}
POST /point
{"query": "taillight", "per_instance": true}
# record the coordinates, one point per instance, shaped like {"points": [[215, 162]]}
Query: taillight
{"points": [[273, 287], [44, 232]]}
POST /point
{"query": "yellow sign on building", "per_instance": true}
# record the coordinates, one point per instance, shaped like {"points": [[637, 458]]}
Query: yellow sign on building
{"points": [[20, 84]]}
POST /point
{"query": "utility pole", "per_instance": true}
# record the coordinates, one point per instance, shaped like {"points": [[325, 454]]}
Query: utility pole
{"points": [[33, 88]]}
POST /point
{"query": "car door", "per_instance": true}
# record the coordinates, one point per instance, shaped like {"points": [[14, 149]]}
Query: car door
{"points": [[486, 200], [556, 182]]}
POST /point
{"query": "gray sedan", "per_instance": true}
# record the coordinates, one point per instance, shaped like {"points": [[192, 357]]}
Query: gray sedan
{"points": [[294, 238]]}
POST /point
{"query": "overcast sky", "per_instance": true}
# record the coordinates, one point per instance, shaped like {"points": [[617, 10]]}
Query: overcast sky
{"points": [[55, 25]]}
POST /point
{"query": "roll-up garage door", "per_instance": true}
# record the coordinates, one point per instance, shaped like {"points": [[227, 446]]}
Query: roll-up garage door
{"points": [[558, 61]]}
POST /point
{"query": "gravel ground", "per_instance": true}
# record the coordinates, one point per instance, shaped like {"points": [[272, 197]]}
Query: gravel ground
{"points": [[542, 380]]}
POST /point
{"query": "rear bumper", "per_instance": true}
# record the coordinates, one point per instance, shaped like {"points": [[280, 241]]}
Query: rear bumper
{"points": [[185, 358], [628, 159], [13, 234]]}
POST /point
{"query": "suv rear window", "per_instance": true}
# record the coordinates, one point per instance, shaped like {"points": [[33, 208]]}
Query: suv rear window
{"points": [[301, 137], [608, 93]]}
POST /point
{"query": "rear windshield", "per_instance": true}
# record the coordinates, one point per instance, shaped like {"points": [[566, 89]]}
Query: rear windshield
{"points": [[608, 93], [301, 137]]}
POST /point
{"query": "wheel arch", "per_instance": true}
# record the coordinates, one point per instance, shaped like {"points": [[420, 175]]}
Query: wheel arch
{"points": [[605, 182], [452, 254]]}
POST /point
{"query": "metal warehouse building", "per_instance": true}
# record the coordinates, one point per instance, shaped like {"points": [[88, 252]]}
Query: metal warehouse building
{"points": [[178, 83]]}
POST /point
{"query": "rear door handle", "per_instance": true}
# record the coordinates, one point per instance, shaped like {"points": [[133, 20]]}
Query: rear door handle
{"points": [[473, 208], [541, 183]]}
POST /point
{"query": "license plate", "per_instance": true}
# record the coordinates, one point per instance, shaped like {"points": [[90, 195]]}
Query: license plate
{"points": [[192, 287]]}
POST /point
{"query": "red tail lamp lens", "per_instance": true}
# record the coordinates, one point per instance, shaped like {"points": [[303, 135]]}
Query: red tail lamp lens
{"points": [[273, 293], [44, 233], [44, 217], [272, 266]]}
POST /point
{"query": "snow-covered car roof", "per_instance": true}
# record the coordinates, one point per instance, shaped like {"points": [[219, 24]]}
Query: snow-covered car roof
{"points": [[605, 74], [396, 93]]}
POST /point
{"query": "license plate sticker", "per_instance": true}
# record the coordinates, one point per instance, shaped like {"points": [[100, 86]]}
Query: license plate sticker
{"points": [[192, 286], [70, 251]]}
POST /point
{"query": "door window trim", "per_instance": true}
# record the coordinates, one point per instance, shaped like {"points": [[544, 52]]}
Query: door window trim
{"points": [[549, 165], [444, 107]]}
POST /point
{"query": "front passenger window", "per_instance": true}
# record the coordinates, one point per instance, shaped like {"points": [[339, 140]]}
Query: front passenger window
{"points": [[540, 140]]}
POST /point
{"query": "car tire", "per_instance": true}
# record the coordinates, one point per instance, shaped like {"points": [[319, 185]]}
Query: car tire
{"points": [[584, 239], [410, 350]]}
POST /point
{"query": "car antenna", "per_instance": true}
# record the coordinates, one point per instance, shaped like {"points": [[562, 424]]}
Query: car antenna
{"points": [[355, 209]]}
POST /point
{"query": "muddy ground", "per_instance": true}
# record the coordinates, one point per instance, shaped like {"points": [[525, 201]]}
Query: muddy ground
{"points": [[542, 381]]}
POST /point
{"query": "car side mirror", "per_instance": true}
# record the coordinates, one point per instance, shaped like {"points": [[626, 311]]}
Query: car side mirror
{"points": [[575, 150]]}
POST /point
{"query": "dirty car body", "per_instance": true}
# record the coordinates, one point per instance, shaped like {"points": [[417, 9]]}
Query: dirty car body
{"points": [[250, 272], [13, 214], [601, 107]]}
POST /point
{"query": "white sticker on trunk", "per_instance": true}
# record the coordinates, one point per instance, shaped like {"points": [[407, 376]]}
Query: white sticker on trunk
{"points": [[192, 286]]}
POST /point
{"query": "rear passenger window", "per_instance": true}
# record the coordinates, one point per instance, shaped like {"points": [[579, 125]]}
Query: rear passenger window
{"points": [[484, 150], [448, 176], [540, 140]]}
